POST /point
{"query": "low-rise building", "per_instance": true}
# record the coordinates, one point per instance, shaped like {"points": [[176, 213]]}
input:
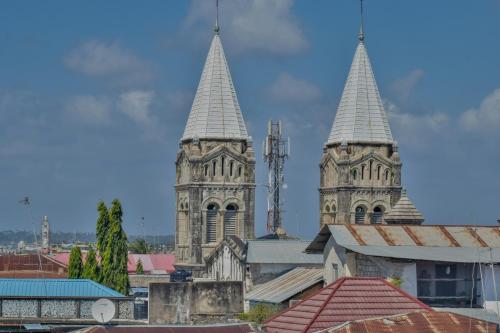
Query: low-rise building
{"points": [[29, 266], [57, 301], [451, 266]]}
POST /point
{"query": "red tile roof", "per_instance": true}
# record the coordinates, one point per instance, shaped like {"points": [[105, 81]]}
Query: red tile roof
{"points": [[346, 299], [418, 322], [237, 328]]}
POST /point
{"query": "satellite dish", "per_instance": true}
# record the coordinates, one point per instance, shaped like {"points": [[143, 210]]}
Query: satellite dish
{"points": [[103, 310]]}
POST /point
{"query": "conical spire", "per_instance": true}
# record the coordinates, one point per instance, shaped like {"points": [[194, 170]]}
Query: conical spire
{"points": [[360, 115], [215, 113], [404, 212]]}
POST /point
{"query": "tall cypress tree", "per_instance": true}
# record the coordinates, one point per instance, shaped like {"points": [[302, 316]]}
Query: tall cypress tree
{"points": [[115, 258], [102, 227], [75, 265], [91, 268], [139, 269]]}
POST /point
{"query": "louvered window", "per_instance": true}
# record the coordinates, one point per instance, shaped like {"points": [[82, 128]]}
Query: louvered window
{"points": [[230, 220], [377, 216], [359, 217], [211, 223]]}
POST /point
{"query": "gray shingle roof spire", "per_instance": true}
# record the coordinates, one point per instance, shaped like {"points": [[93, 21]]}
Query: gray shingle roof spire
{"points": [[360, 115], [404, 211], [215, 113]]}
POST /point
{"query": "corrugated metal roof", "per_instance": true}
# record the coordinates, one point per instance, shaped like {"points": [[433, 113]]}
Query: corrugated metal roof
{"points": [[286, 286], [54, 288], [477, 313], [215, 113], [216, 328], [417, 322], [344, 300], [360, 115], [286, 251], [429, 242]]}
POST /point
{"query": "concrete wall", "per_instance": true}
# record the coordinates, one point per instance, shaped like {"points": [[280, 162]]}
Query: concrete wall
{"points": [[145, 279], [185, 302], [59, 308]]}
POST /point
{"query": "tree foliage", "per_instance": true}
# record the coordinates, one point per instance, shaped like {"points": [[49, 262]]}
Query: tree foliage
{"points": [[259, 313], [75, 265], [115, 257], [139, 246], [102, 227], [139, 269], [91, 266]]}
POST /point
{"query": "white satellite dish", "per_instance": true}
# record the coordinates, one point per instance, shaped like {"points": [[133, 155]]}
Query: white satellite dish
{"points": [[103, 310]]}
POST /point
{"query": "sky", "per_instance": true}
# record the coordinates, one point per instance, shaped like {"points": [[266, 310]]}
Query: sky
{"points": [[94, 96]]}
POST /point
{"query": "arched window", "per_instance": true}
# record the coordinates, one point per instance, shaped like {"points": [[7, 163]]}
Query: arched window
{"points": [[362, 172], [354, 174], [182, 206], [378, 172], [222, 160], [327, 209], [240, 171], [377, 216], [231, 167], [206, 170], [214, 167], [334, 209], [386, 175], [230, 217], [186, 206], [212, 210], [359, 215], [371, 170]]}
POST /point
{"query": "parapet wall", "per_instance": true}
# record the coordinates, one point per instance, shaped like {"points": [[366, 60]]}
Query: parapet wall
{"points": [[187, 302]]}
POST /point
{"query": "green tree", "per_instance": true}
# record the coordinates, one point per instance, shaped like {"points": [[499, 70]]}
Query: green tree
{"points": [[115, 258], [91, 267], [75, 266], [139, 246], [139, 269], [102, 227]]}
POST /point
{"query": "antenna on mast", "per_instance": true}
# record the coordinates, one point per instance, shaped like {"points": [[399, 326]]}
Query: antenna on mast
{"points": [[275, 150]]}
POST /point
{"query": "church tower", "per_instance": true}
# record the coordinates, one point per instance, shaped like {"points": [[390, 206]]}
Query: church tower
{"points": [[215, 166], [360, 168]]}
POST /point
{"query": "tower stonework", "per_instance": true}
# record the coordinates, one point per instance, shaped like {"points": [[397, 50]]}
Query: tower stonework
{"points": [[215, 166], [360, 170]]}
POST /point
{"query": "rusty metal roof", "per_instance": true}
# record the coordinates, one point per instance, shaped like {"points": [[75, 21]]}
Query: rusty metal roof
{"points": [[426, 242], [224, 328], [286, 286], [417, 322]]}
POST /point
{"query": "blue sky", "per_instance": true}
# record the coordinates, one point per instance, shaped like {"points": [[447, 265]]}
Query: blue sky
{"points": [[94, 96]]}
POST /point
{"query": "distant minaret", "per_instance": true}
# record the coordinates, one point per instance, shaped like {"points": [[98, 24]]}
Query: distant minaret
{"points": [[45, 235]]}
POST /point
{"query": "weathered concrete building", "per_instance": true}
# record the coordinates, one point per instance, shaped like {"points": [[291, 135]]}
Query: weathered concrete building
{"points": [[215, 166], [360, 170]]}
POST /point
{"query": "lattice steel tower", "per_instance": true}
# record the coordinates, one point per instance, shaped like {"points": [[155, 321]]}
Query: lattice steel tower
{"points": [[276, 150]]}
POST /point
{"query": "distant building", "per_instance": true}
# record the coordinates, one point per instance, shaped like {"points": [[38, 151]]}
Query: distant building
{"points": [[29, 266], [45, 235], [215, 166]]}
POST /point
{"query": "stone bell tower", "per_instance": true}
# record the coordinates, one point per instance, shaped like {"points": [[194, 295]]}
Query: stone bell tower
{"points": [[215, 166], [360, 168]]}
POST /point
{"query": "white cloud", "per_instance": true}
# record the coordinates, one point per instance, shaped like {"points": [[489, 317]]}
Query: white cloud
{"points": [[90, 109], [486, 117], [136, 104], [258, 25], [403, 87], [108, 60], [292, 89]]}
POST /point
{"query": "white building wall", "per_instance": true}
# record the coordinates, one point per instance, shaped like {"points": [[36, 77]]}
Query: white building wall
{"points": [[490, 302]]}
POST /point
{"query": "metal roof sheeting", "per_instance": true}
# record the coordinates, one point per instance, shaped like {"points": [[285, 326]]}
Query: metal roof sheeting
{"points": [[287, 251], [344, 300], [417, 322], [286, 286], [360, 115], [429, 242], [215, 113], [54, 288]]}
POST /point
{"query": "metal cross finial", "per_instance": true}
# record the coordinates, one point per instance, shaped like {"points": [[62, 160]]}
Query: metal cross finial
{"points": [[361, 35], [216, 29]]}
